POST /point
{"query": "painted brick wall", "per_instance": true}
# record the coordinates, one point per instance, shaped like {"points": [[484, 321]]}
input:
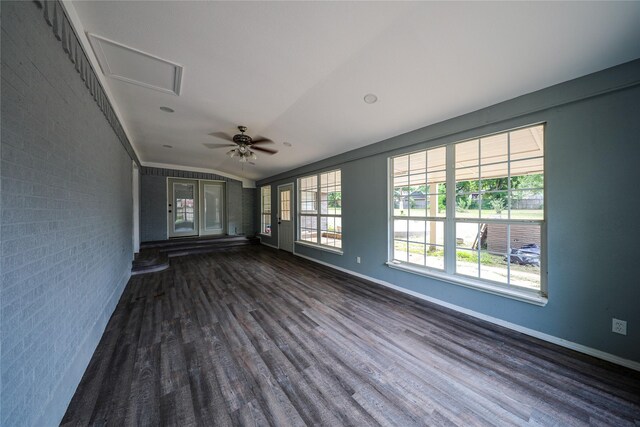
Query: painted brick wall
{"points": [[234, 207], [153, 207], [66, 222], [249, 211]]}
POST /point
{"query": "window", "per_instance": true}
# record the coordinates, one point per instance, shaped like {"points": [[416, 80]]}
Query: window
{"points": [[265, 210], [320, 199], [493, 233]]}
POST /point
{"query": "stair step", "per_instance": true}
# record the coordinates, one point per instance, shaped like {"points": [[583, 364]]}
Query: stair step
{"points": [[155, 256], [192, 240]]}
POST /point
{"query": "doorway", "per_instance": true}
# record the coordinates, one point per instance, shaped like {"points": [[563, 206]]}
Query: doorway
{"points": [[195, 207], [285, 217]]}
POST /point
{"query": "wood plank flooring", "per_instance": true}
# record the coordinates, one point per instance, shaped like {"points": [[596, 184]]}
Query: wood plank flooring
{"points": [[254, 336]]}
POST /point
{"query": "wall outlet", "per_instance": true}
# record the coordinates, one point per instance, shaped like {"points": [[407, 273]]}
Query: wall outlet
{"points": [[358, 259], [619, 326]]}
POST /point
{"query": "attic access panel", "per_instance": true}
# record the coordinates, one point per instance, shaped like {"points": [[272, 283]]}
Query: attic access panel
{"points": [[136, 67]]}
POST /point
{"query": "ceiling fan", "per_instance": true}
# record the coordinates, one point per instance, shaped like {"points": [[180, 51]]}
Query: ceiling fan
{"points": [[244, 145]]}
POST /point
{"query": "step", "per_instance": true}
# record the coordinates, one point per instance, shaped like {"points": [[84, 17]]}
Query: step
{"points": [[155, 256], [192, 240]]}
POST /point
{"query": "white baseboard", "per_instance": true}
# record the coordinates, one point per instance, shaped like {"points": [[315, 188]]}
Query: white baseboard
{"points": [[527, 331]]}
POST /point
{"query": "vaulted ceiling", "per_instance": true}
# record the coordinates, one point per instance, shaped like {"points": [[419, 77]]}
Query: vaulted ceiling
{"points": [[297, 72]]}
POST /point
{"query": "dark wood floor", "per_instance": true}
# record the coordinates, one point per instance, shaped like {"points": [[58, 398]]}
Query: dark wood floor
{"points": [[254, 336]]}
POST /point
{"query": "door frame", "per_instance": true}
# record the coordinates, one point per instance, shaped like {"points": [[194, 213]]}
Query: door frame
{"points": [[293, 214], [223, 211], [171, 208]]}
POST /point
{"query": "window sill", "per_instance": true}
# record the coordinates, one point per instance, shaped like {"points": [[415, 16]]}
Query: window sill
{"points": [[531, 297], [264, 235], [320, 247]]}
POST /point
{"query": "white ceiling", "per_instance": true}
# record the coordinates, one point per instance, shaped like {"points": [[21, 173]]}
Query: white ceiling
{"points": [[298, 71]]}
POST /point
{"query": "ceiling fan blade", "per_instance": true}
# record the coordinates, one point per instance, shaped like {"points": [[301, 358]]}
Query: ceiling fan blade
{"points": [[261, 140], [218, 145], [264, 150], [221, 135]]}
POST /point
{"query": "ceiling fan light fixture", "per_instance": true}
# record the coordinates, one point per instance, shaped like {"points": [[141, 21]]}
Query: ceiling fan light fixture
{"points": [[253, 156], [232, 153], [243, 159]]}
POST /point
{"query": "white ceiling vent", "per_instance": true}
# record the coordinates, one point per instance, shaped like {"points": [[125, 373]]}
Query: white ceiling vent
{"points": [[136, 67]]}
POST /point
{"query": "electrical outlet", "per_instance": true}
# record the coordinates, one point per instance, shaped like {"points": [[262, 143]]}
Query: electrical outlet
{"points": [[619, 326], [358, 259]]}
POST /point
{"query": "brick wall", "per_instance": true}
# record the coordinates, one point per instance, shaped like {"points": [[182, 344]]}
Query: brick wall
{"points": [[153, 207], [249, 211], [66, 213]]}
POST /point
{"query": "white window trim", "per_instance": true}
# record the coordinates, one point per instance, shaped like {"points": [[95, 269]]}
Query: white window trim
{"points": [[325, 248], [262, 213], [317, 213], [448, 274]]}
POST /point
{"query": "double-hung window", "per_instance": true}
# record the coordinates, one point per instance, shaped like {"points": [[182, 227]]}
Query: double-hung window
{"points": [[265, 210], [320, 209], [492, 231]]}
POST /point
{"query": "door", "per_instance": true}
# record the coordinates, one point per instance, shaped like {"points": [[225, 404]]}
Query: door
{"points": [[183, 207], [285, 217], [212, 208]]}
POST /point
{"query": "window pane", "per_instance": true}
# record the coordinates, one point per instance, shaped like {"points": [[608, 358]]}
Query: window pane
{"points": [[266, 224], [527, 204], [401, 201], [418, 162], [467, 180], [468, 235], [418, 203], [330, 231], [417, 231], [495, 205], [527, 276], [493, 266], [525, 240], [417, 253], [467, 153], [494, 148], [495, 238], [435, 178], [527, 142], [309, 228], [435, 257], [400, 229], [436, 159], [434, 233], [468, 206], [526, 167], [401, 166], [401, 181], [418, 180], [400, 250], [494, 184], [436, 203], [496, 170], [467, 262]]}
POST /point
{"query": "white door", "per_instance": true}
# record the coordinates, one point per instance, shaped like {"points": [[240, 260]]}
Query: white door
{"points": [[211, 207], [285, 217], [183, 207]]}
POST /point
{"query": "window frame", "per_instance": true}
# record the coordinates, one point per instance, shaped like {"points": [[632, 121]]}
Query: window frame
{"points": [[316, 212], [449, 273], [263, 213]]}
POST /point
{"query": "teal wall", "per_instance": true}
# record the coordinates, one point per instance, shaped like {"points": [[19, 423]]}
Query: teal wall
{"points": [[592, 200]]}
